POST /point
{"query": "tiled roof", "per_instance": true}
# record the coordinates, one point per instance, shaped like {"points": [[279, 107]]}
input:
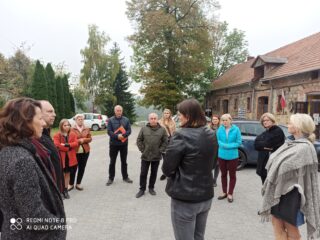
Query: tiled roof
{"points": [[301, 56], [237, 75]]}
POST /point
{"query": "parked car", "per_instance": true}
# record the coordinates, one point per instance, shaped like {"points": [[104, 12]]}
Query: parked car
{"points": [[105, 119], [176, 119], [93, 121], [249, 131]]}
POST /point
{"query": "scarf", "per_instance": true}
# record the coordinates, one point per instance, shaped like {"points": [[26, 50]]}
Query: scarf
{"points": [[80, 128], [294, 164], [44, 156]]}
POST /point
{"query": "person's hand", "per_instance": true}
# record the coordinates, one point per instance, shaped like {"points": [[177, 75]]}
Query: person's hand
{"points": [[120, 137], [62, 144], [80, 140]]}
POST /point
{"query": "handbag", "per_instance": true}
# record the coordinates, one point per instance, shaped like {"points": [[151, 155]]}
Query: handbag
{"points": [[288, 207]]}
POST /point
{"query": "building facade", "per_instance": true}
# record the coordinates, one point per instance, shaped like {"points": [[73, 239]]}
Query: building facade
{"points": [[290, 73]]}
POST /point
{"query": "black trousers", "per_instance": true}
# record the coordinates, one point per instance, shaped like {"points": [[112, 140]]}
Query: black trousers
{"points": [[144, 173], [113, 153], [82, 162]]}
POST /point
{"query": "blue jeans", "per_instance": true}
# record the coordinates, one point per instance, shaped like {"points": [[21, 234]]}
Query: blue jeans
{"points": [[189, 219]]}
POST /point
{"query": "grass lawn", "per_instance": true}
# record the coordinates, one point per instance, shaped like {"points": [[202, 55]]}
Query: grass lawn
{"points": [[93, 133]]}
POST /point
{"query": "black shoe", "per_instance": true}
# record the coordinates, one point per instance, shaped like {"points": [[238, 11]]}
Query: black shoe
{"points": [[128, 180], [66, 194], [152, 192], [109, 182], [163, 177], [222, 196], [62, 196], [140, 194]]}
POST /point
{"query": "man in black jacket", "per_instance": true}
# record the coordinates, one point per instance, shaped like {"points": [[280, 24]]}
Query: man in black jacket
{"points": [[119, 129], [49, 116]]}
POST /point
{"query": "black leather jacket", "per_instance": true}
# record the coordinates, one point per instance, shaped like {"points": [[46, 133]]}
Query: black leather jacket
{"points": [[188, 163]]}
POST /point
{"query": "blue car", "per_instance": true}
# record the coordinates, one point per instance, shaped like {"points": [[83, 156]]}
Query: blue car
{"points": [[249, 131]]}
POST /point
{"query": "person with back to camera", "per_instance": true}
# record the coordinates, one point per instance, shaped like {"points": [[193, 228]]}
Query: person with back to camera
{"points": [[214, 125], [188, 164], [66, 141], [291, 190], [27, 176], [267, 142], [83, 151], [169, 125], [229, 140]]}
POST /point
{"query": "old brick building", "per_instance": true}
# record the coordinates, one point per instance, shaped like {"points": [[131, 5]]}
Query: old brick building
{"points": [[251, 88]]}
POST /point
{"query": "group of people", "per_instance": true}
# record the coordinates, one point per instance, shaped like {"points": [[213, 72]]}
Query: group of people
{"points": [[37, 172]]}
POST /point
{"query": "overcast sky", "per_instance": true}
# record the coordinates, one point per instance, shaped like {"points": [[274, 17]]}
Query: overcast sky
{"points": [[56, 30]]}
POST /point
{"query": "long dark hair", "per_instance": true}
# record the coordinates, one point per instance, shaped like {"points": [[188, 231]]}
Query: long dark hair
{"points": [[192, 110], [16, 119]]}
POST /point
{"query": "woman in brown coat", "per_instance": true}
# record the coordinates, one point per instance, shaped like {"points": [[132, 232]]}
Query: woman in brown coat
{"points": [[67, 143], [83, 151]]}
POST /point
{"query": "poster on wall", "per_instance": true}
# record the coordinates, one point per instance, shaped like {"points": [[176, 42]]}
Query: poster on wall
{"points": [[316, 118]]}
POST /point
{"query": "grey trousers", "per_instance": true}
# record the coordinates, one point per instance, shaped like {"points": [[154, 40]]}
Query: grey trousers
{"points": [[189, 219]]}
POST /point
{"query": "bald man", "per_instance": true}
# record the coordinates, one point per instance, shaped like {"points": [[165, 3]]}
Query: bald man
{"points": [[49, 116], [119, 129], [152, 142]]}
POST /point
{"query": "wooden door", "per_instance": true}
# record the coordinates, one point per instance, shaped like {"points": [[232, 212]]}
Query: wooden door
{"points": [[262, 106]]}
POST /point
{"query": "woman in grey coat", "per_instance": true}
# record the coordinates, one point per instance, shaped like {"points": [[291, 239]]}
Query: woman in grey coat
{"points": [[30, 200], [291, 191]]}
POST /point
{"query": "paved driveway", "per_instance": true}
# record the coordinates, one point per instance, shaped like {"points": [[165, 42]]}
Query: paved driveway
{"points": [[113, 213]]}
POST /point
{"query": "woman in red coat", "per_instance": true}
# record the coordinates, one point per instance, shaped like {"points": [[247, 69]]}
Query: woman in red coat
{"points": [[66, 142]]}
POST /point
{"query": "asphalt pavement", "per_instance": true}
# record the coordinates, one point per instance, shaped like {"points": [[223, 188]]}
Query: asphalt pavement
{"points": [[101, 212]]}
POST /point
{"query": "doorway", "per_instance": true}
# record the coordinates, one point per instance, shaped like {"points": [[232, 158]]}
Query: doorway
{"points": [[263, 103]]}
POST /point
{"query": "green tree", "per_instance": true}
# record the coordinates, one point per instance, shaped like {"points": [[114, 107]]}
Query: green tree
{"points": [[171, 48], [66, 96], [21, 68], [121, 95], [51, 85], [60, 111], [230, 48], [72, 104], [99, 69], [39, 86], [80, 97]]}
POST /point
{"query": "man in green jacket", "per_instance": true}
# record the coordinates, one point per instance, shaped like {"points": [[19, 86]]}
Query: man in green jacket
{"points": [[152, 142]]}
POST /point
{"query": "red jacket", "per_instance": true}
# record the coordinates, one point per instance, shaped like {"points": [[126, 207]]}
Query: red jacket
{"points": [[72, 140]]}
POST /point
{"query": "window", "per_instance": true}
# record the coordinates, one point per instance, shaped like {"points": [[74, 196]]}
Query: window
{"points": [[235, 105], [252, 129], [314, 75], [301, 107], [218, 105], [225, 106], [248, 104]]}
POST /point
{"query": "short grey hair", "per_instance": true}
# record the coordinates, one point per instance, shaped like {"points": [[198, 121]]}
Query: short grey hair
{"points": [[78, 115]]}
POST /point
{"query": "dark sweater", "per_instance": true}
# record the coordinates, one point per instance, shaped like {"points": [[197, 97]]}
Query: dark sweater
{"points": [[28, 191], [113, 124], [47, 141]]}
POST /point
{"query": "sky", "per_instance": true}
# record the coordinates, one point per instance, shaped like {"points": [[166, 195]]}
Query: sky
{"points": [[55, 31]]}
